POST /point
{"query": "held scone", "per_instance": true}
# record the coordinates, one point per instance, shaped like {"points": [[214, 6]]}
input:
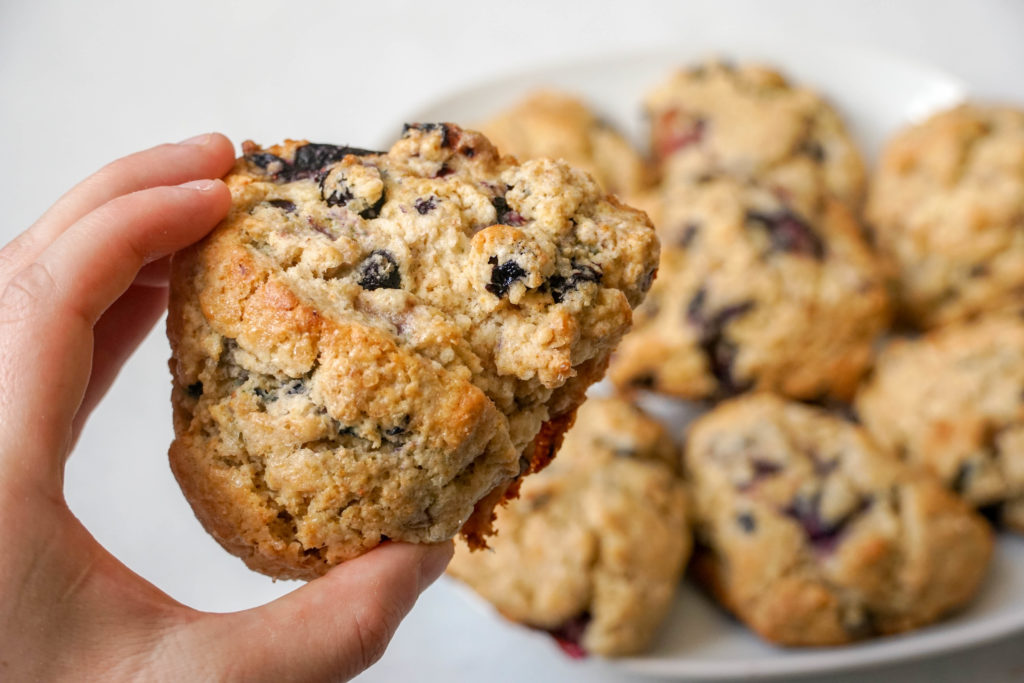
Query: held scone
{"points": [[376, 346], [812, 535], [595, 545], [952, 402], [947, 206]]}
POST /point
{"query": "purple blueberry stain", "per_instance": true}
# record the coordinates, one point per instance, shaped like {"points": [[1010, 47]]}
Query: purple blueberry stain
{"points": [[788, 233], [505, 214], [719, 351], [822, 534], [569, 635]]}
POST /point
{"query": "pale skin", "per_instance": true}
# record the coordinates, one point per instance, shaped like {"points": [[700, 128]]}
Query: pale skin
{"points": [[79, 290]]}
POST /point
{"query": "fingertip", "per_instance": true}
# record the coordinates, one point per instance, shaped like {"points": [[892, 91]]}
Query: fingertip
{"points": [[433, 562]]}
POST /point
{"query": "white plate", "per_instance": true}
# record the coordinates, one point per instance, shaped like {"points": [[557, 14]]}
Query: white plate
{"points": [[877, 93]]}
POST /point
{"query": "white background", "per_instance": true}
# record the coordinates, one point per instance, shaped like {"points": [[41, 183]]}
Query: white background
{"points": [[82, 83]]}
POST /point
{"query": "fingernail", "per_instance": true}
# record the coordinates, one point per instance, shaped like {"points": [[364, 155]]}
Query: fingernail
{"points": [[434, 562], [197, 140], [199, 185]]}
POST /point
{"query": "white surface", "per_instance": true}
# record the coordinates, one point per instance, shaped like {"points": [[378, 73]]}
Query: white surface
{"points": [[82, 83]]}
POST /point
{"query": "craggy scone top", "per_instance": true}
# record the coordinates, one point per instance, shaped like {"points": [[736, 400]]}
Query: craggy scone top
{"points": [[370, 344]]}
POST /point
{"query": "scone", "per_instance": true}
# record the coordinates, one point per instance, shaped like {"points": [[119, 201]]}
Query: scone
{"points": [[750, 122], [813, 536], [558, 125], [953, 402], [751, 294], [947, 206], [372, 345], [594, 547]]}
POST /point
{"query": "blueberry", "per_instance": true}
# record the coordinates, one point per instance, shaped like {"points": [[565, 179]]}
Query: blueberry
{"points": [[746, 521], [962, 478], [688, 234], [645, 380], [503, 276], [393, 432], [425, 206], [265, 159], [379, 271], [822, 534], [283, 204], [311, 158], [560, 285], [295, 387], [506, 215], [347, 430], [719, 351], [569, 635], [788, 233], [263, 394], [446, 131], [340, 194], [814, 150], [195, 390]]}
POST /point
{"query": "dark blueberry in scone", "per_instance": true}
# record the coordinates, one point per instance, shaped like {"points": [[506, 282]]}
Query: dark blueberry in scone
{"points": [[506, 215], [823, 556], [425, 205], [503, 276], [562, 285], [789, 233], [380, 271]]}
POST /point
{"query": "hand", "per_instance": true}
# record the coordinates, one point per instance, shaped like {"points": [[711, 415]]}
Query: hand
{"points": [[78, 292]]}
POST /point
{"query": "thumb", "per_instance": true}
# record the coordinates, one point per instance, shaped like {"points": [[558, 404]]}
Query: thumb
{"points": [[333, 627]]}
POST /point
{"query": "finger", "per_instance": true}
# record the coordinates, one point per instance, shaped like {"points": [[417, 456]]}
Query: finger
{"points": [[47, 311], [332, 628], [117, 334], [206, 156]]}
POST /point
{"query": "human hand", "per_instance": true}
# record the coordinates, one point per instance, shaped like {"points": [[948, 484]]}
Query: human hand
{"points": [[78, 292]]}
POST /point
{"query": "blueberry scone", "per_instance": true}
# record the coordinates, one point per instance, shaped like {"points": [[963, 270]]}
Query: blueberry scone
{"points": [[376, 346], [813, 536], [752, 294], [750, 122], [953, 402], [947, 206], [558, 125], [594, 547]]}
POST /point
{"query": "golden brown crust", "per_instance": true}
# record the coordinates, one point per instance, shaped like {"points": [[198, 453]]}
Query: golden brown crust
{"points": [[368, 344]]}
